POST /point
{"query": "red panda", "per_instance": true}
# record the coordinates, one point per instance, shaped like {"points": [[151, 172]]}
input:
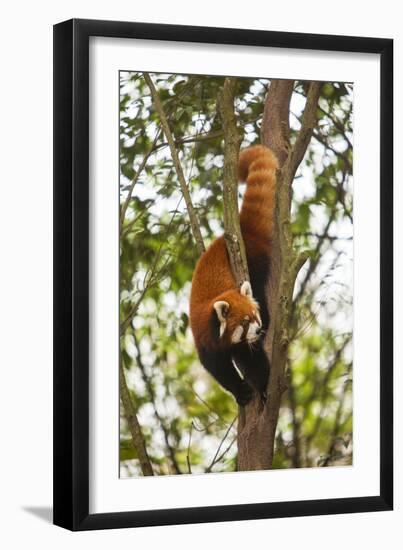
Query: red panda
{"points": [[228, 322]]}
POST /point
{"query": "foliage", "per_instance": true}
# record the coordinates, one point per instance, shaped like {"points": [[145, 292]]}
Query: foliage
{"points": [[188, 421]]}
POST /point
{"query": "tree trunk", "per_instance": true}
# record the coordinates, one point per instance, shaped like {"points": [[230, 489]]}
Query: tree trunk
{"points": [[257, 426]]}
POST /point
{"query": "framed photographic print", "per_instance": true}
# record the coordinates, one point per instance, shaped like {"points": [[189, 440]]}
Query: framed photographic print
{"points": [[223, 318]]}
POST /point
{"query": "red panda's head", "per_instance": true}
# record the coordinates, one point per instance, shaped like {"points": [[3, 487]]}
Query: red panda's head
{"points": [[238, 316]]}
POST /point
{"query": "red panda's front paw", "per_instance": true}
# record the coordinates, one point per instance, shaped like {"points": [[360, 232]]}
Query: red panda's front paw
{"points": [[244, 394]]}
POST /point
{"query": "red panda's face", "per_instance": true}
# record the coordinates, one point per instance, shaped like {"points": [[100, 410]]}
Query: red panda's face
{"points": [[238, 315]]}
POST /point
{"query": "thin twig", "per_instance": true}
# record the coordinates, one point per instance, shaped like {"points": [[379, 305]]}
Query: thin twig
{"points": [[330, 238], [296, 425], [225, 451], [341, 154], [188, 450], [304, 135], [336, 429], [153, 397], [323, 385], [149, 279], [203, 401], [314, 257], [135, 179], [194, 223], [338, 124], [215, 460]]}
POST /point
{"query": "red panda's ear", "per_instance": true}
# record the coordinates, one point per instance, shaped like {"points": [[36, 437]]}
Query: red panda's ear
{"points": [[221, 309], [246, 289]]}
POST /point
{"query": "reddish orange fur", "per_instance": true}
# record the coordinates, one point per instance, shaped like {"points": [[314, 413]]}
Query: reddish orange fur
{"points": [[212, 278], [258, 165]]}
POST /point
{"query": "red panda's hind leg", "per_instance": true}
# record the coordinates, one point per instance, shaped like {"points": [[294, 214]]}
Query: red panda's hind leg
{"points": [[254, 365], [219, 364]]}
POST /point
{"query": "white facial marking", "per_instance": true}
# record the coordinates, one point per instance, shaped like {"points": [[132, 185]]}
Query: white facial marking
{"points": [[253, 331], [256, 313], [237, 335]]}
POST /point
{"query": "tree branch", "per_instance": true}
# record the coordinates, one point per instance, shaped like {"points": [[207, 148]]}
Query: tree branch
{"points": [[285, 267], [152, 396], [232, 228], [296, 425], [135, 179], [218, 457], [304, 135], [338, 124], [203, 136], [330, 458], [341, 154], [188, 450], [323, 385], [194, 223], [133, 423], [315, 256], [275, 123], [150, 278]]}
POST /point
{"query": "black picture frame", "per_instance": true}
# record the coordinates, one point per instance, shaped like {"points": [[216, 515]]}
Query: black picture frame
{"points": [[71, 274]]}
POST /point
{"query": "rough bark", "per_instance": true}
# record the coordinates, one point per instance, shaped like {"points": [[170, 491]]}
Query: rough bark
{"points": [[257, 430], [276, 115], [232, 141]]}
